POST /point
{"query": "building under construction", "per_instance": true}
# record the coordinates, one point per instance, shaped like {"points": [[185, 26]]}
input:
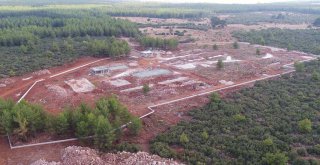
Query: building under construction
{"points": [[103, 70]]}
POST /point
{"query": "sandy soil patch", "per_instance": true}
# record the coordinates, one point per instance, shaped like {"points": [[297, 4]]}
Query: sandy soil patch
{"points": [[81, 85]]}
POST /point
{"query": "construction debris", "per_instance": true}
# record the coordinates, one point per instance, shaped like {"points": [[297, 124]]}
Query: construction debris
{"points": [[81, 85], [41, 72], [57, 90], [268, 55], [119, 82], [135, 88], [75, 155], [179, 79], [226, 82]]}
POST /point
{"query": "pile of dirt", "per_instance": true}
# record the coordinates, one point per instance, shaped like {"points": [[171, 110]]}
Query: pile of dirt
{"points": [[141, 158], [41, 72], [57, 90], [82, 155], [7, 81]]}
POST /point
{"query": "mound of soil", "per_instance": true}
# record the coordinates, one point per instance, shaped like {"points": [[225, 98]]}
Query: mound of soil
{"points": [[82, 155]]}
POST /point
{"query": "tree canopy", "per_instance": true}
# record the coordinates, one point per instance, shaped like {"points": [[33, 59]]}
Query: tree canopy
{"points": [[36, 39], [217, 22], [258, 125], [305, 40], [25, 120]]}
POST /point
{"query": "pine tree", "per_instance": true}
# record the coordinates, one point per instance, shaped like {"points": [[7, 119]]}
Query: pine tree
{"points": [[215, 47], [135, 125], [235, 45], [315, 76], [184, 138], [258, 51], [205, 135], [61, 124], [82, 129], [146, 88], [299, 66], [220, 64], [104, 134]]}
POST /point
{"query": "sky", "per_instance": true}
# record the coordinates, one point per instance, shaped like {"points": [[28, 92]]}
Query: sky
{"points": [[221, 1]]}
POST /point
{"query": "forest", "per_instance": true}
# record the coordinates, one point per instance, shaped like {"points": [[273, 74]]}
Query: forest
{"points": [[273, 123], [150, 42], [253, 18], [36, 39], [24, 121], [305, 40]]}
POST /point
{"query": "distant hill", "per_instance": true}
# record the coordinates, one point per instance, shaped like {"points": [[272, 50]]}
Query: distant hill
{"points": [[45, 2]]}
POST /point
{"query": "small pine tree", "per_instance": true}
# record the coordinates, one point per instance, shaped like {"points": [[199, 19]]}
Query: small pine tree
{"points": [[275, 158], [220, 64], [104, 134], [184, 138], [24, 49], [261, 41], [235, 45], [315, 76], [215, 47], [146, 88], [215, 98], [299, 66], [135, 126], [267, 142], [55, 47], [289, 47], [61, 124], [305, 125], [82, 129], [205, 135], [258, 52]]}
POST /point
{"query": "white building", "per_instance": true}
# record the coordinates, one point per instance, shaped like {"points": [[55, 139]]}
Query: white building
{"points": [[146, 53]]}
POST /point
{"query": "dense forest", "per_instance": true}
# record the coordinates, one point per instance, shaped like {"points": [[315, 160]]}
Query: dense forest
{"points": [[306, 40], [150, 42], [24, 121], [275, 122], [164, 10], [272, 17], [37, 39]]}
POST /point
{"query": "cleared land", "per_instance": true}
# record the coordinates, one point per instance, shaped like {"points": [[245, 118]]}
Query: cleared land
{"points": [[170, 75], [189, 70]]}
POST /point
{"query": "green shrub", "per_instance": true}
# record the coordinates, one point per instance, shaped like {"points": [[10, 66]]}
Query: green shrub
{"points": [[162, 149], [128, 147], [301, 152]]}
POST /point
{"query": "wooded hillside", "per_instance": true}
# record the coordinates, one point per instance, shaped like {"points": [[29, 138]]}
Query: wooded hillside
{"points": [[37, 39], [274, 122]]}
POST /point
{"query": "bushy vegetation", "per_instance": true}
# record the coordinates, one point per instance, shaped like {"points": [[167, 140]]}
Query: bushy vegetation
{"points": [[217, 22], [194, 26], [270, 17], [109, 47], [150, 42], [103, 122], [260, 125], [316, 22], [306, 40]]}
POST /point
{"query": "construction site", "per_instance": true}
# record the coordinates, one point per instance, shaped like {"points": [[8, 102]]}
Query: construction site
{"points": [[177, 81], [170, 75]]}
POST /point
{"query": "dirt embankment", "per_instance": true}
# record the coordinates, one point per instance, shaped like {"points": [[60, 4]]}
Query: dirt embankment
{"points": [[81, 155]]}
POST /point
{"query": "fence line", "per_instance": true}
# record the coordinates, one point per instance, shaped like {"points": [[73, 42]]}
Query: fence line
{"points": [[73, 69], [25, 94]]}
